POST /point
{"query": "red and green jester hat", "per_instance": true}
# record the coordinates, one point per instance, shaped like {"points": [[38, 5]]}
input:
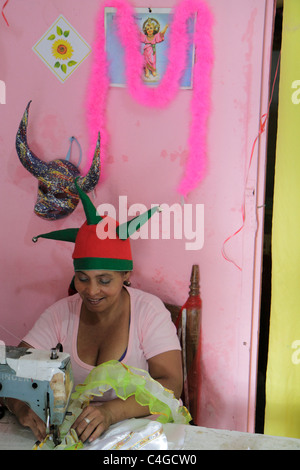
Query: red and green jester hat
{"points": [[101, 243]]}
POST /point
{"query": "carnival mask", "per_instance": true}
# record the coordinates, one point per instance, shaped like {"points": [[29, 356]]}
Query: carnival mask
{"points": [[57, 194]]}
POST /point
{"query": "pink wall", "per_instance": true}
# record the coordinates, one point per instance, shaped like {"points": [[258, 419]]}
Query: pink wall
{"points": [[34, 276]]}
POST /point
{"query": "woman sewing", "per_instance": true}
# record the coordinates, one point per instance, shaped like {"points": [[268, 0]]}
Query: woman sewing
{"points": [[105, 320]]}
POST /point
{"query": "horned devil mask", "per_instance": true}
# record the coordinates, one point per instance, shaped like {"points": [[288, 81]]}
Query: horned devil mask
{"points": [[57, 194]]}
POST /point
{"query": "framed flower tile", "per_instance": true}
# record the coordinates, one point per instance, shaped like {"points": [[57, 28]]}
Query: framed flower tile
{"points": [[62, 49]]}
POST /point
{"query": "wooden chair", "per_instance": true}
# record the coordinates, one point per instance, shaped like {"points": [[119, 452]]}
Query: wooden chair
{"points": [[188, 322]]}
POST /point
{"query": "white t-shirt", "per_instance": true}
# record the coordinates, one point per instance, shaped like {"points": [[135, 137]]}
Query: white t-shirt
{"points": [[151, 331]]}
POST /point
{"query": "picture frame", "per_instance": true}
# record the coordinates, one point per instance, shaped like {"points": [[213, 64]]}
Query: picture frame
{"points": [[161, 18]]}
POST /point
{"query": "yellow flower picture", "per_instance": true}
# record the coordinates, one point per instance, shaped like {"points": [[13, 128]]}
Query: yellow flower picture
{"points": [[62, 49]]}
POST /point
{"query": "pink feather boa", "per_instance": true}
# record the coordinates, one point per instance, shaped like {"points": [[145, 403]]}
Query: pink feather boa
{"points": [[161, 95]]}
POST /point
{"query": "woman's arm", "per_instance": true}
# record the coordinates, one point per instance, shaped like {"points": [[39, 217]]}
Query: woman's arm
{"points": [[166, 368], [94, 420], [27, 417], [23, 344]]}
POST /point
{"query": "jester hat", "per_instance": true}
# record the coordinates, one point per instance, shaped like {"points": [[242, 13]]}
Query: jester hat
{"points": [[101, 242]]}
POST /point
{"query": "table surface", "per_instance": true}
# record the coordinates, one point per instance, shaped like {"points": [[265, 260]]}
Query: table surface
{"points": [[13, 436]]}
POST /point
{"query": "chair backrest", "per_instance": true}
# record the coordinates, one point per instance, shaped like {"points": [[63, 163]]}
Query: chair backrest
{"points": [[174, 310], [188, 322]]}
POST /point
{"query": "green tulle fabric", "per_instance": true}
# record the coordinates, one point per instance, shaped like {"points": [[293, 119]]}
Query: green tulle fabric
{"points": [[126, 381]]}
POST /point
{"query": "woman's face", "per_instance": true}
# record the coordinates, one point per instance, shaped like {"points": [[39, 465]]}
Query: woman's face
{"points": [[99, 290]]}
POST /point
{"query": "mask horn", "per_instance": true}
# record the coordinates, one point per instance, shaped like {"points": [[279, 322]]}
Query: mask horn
{"points": [[88, 182], [28, 159]]}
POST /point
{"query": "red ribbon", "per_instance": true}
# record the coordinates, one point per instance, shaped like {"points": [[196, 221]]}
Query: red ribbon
{"points": [[262, 127], [3, 12]]}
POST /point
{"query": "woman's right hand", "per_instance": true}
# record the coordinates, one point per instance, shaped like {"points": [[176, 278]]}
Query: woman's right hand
{"points": [[27, 417]]}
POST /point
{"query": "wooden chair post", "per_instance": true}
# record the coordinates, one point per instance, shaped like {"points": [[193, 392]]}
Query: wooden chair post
{"points": [[193, 311]]}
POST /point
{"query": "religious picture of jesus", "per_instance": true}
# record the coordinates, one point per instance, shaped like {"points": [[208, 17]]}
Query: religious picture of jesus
{"points": [[150, 37], [154, 29]]}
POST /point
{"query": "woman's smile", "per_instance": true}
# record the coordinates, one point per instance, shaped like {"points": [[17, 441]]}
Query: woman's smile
{"points": [[94, 301]]}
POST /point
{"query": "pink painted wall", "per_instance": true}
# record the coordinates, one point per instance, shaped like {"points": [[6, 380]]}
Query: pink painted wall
{"points": [[146, 171]]}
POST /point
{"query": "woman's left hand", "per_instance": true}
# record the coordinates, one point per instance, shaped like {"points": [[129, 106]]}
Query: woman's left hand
{"points": [[92, 422]]}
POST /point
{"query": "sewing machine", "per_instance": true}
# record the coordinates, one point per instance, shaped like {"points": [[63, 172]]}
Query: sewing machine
{"points": [[42, 379]]}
